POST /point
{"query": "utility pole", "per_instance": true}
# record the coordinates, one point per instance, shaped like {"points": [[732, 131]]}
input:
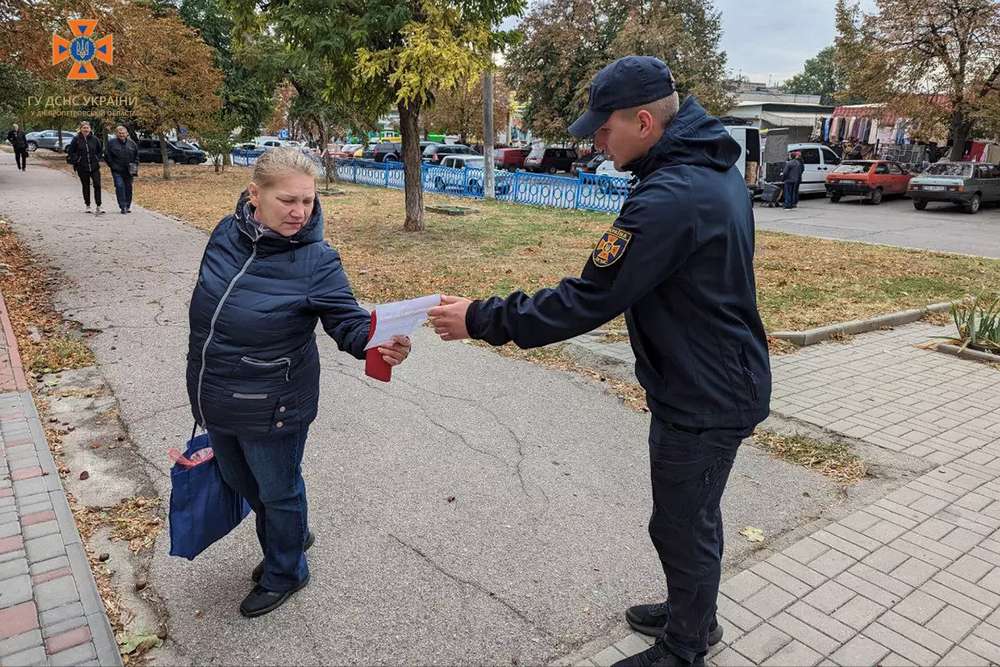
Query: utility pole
{"points": [[489, 189]]}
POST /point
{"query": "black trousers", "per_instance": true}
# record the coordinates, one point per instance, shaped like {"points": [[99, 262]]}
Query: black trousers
{"points": [[689, 470], [86, 178], [22, 158]]}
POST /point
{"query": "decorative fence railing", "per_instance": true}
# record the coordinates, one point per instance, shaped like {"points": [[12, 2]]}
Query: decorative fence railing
{"points": [[588, 192]]}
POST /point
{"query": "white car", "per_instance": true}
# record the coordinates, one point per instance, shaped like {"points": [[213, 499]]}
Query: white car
{"points": [[817, 161], [610, 181]]}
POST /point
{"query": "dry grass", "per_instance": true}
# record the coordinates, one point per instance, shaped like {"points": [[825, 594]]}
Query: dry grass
{"points": [[834, 460], [802, 282]]}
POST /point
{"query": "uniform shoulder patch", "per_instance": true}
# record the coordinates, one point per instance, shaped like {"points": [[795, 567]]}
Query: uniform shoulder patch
{"points": [[611, 247]]}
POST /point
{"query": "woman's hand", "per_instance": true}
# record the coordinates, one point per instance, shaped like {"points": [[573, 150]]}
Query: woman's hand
{"points": [[395, 353]]}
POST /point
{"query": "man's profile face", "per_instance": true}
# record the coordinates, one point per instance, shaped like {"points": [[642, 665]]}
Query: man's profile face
{"points": [[625, 136]]}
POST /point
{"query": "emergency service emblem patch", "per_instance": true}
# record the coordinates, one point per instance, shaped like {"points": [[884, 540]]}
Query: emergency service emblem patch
{"points": [[611, 247]]}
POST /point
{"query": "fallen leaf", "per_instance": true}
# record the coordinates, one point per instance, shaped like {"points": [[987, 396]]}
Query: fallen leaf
{"points": [[84, 475], [130, 643], [753, 534]]}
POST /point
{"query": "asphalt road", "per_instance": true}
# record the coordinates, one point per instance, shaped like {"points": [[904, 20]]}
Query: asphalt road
{"points": [[941, 227], [477, 510]]}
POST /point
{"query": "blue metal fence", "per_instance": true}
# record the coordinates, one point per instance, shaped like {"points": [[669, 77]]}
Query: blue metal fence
{"points": [[588, 192]]}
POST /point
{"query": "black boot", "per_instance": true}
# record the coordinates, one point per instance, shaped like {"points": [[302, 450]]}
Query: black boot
{"points": [[651, 619], [261, 601], [258, 571], [658, 655]]}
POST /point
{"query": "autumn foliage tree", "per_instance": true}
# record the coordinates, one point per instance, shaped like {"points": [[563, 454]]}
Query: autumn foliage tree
{"points": [[460, 110], [567, 41], [938, 62]]}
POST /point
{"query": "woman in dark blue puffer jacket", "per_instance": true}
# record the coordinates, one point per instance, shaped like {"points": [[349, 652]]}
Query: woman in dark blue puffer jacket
{"points": [[266, 277]]}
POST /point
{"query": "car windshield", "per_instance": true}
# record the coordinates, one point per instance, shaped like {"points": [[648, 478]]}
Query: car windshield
{"points": [[184, 144], [949, 169], [852, 168]]}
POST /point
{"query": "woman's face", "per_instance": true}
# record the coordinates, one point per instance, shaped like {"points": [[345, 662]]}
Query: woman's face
{"points": [[285, 205]]}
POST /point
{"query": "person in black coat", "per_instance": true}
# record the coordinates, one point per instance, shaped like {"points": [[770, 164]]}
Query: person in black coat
{"points": [[791, 176], [122, 156], [678, 263], [19, 141], [84, 153], [266, 278]]}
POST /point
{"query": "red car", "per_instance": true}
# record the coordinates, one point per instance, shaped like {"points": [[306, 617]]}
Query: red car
{"points": [[510, 159], [871, 179]]}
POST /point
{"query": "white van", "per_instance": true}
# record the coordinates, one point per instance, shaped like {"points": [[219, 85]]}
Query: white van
{"points": [[818, 160]]}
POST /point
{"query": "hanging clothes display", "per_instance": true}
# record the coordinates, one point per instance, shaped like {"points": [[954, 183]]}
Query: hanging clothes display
{"points": [[873, 132]]}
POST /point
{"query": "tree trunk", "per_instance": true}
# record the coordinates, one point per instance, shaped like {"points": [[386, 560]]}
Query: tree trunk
{"points": [[164, 158], [961, 128], [409, 117]]}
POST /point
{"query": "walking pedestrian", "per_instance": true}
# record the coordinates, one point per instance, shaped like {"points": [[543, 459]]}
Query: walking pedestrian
{"points": [[678, 261], [122, 156], [19, 140], [253, 368], [791, 175], [84, 153]]}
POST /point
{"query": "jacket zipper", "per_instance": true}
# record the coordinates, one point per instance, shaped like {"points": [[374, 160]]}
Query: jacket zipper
{"points": [[748, 376], [280, 361], [215, 317]]}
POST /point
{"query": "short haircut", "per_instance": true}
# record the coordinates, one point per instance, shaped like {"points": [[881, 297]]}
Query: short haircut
{"points": [[663, 109], [277, 162]]}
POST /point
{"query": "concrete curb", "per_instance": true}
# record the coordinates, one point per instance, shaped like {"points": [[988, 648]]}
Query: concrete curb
{"points": [[966, 353], [820, 334], [12, 350]]}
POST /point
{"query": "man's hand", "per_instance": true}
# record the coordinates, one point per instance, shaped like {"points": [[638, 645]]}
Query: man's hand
{"points": [[395, 353], [448, 319]]}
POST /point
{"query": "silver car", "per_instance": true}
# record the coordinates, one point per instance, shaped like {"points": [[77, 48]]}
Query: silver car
{"points": [[49, 139]]}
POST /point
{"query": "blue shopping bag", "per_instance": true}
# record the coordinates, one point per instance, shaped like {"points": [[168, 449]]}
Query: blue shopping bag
{"points": [[203, 508]]}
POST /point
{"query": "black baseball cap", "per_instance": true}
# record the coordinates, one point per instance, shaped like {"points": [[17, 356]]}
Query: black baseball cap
{"points": [[627, 82]]}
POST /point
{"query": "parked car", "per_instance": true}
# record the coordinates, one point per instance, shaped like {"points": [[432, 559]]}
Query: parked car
{"points": [[149, 151], [818, 161], [343, 151], [386, 151], [472, 180], [588, 164], [48, 139], [550, 160], [970, 184], [610, 181], [510, 159], [870, 179], [425, 144], [434, 154]]}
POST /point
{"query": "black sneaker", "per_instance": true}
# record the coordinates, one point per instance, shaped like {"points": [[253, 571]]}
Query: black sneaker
{"points": [[261, 601], [258, 571], [650, 619], [658, 655]]}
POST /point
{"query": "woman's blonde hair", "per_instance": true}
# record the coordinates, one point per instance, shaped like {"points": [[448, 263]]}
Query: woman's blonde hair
{"points": [[276, 162], [82, 123]]}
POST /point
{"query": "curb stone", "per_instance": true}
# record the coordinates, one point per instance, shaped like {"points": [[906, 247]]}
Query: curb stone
{"points": [[820, 334]]}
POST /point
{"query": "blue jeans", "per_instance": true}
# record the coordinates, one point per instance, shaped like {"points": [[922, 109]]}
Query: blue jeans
{"points": [[267, 471], [123, 189], [792, 193], [689, 470]]}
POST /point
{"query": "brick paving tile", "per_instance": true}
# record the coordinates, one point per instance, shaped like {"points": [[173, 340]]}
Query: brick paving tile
{"points": [[17, 619], [61, 642]]}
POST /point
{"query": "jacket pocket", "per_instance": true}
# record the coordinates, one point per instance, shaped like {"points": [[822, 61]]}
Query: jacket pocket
{"points": [[281, 364], [748, 375]]}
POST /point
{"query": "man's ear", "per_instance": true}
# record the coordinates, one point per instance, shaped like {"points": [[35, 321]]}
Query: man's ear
{"points": [[646, 122]]}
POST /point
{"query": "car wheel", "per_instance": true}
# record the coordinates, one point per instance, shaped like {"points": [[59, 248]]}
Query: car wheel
{"points": [[438, 183], [552, 170], [390, 158], [919, 204], [876, 197], [193, 160], [974, 204], [32, 146], [834, 198]]}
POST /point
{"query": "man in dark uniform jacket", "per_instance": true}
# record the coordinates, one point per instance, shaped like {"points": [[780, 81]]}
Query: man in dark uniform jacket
{"points": [[678, 262]]}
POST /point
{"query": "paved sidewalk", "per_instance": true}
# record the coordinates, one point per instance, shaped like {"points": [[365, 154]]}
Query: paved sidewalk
{"points": [[914, 578], [50, 611]]}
